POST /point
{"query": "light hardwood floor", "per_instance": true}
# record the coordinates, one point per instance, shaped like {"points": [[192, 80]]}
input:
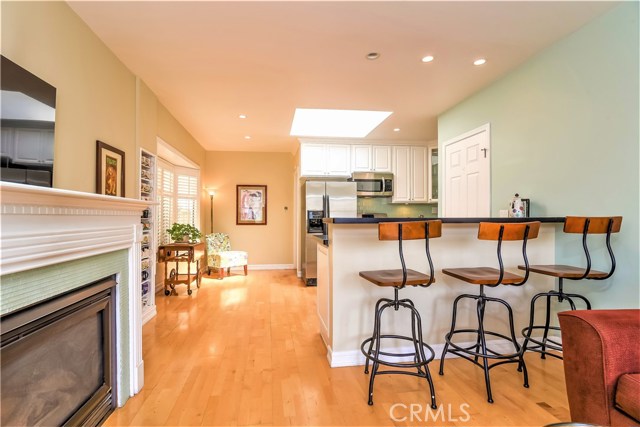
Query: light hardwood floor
{"points": [[247, 351]]}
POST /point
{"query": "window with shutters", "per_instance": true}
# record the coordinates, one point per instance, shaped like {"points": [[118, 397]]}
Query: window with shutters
{"points": [[177, 198]]}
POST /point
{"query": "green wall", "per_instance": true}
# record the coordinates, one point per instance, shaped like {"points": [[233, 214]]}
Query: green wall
{"points": [[565, 133]]}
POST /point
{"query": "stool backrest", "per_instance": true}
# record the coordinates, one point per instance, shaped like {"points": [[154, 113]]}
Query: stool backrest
{"points": [[509, 231], [594, 225], [411, 230]]}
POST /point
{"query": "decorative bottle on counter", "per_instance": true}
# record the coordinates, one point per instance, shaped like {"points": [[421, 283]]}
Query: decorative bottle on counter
{"points": [[516, 207]]}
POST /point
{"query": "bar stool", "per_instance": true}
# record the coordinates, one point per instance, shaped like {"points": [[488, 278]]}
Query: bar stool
{"points": [[398, 279], [577, 225], [492, 277]]}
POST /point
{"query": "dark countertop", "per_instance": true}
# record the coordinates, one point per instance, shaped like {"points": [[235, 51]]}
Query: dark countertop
{"points": [[545, 219]]}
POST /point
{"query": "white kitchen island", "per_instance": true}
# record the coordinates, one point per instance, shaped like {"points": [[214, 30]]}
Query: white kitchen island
{"points": [[346, 301]]}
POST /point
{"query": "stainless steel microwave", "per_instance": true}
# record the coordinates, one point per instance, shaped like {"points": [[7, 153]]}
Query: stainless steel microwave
{"points": [[373, 184]]}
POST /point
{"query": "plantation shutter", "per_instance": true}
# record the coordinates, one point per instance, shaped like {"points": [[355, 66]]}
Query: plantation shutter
{"points": [[166, 187], [187, 197], [178, 198]]}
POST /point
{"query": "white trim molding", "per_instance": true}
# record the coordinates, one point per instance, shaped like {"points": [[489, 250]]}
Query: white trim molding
{"points": [[47, 226]]}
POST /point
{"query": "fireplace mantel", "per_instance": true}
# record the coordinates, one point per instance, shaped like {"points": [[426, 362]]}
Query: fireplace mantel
{"points": [[46, 226]]}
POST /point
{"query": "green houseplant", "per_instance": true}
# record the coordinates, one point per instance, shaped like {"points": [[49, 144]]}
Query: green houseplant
{"points": [[184, 233]]}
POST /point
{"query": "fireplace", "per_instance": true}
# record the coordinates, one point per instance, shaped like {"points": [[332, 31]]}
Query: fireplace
{"points": [[58, 359], [56, 242]]}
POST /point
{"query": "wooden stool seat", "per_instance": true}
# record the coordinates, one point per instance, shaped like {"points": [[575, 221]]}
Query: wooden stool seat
{"points": [[482, 275], [564, 271], [394, 277]]}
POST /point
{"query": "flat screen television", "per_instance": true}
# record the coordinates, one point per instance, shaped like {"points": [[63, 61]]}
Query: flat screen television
{"points": [[27, 115]]}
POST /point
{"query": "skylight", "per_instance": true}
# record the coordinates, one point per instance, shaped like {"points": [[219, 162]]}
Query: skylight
{"points": [[336, 123]]}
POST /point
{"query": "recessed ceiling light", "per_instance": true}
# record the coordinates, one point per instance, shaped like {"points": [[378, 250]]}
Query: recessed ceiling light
{"points": [[247, 137], [396, 129], [336, 123], [479, 61], [427, 58], [373, 55], [242, 116]]}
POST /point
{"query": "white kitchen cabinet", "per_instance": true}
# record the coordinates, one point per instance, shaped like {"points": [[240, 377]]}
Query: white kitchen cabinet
{"points": [[381, 158], [361, 158], [410, 174], [370, 158], [325, 159]]}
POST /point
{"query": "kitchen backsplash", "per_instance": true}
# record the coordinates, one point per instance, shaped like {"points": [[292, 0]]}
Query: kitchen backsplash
{"points": [[384, 205]]}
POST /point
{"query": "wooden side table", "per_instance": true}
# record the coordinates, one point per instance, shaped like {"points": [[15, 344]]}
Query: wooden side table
{"points": [[181, 253]]}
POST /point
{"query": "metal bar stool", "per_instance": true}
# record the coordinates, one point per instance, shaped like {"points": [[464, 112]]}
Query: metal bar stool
{"points": [[492, 277], [398, 279], [577, 225]]}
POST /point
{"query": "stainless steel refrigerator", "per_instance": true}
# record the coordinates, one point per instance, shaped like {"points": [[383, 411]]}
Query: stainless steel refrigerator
{"points": [[324, 199]]}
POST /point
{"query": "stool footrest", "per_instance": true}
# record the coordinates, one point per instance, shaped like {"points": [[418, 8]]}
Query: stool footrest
{"points": [[494, 354], [376, 357]]}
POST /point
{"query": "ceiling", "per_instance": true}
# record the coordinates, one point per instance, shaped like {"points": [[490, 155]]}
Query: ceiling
{"points": [[210, 61]]}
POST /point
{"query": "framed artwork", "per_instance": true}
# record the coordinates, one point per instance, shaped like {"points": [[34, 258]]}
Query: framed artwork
{"points": [[109, 170], [251, 204]]}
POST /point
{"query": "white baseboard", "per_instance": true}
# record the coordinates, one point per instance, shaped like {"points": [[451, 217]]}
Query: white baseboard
{"points": [[339, 359], [270, 267], [149, 314]]}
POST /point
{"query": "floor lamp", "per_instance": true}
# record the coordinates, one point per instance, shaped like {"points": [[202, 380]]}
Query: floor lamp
{"points": [[211, 194]]}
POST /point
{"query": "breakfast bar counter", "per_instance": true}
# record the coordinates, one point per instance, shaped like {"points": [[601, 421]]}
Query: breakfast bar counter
{"points": [[346, 301]]}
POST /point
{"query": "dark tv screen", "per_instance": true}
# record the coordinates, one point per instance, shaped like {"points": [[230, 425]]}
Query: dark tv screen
{"points": [[27, 121]]}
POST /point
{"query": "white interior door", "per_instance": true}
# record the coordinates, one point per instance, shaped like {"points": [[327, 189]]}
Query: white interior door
{"points": [[467, 171]]}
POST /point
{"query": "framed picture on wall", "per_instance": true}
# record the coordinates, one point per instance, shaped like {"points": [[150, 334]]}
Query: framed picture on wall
{"points": [[109, 170], [251, 204]]}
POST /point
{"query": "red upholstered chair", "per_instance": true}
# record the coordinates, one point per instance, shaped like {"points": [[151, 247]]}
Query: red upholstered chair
{"points": [[602, 365]]}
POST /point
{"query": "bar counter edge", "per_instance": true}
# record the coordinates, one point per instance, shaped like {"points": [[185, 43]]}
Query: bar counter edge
{"points": [[545, 219]]}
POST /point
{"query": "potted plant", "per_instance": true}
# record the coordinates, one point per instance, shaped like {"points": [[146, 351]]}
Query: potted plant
{"points": [[184, 233]]}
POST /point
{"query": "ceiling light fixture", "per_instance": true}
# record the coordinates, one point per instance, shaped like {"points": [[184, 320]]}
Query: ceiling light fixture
{"points": [[373, 55], [427, 58], [247, 137], [396, 129], [336, 123], [479, 61], [242, 116]]}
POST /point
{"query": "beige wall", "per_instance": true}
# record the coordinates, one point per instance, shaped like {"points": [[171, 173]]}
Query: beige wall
{"points": [[95, 91], [98, 98], [266, 244], [147, 117]]}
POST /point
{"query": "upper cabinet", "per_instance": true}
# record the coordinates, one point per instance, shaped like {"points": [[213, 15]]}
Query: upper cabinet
{"points": [[318, 159], [433, 173], [410, 164], [370, 158], [415, 167]]}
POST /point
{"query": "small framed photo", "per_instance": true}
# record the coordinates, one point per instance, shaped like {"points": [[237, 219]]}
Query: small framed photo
{"points": [[109, 170], [251, 204]]}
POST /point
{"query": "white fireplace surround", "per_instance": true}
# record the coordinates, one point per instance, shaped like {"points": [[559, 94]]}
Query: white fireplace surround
{"points": [[45, 226]]}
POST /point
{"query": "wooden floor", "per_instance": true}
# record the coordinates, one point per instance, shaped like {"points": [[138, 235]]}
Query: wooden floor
{"points": [[247, 351]]}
